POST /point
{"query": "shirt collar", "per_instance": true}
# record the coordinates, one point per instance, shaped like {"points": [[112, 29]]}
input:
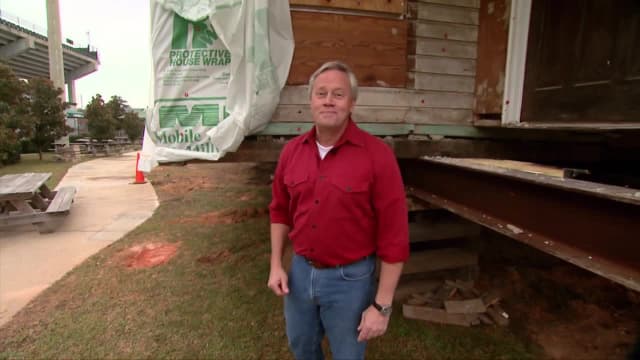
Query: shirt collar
{"points": [[351, 134]]}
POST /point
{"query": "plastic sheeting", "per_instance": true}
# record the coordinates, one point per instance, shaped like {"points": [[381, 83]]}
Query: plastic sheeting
{"points": [[219, 67]]}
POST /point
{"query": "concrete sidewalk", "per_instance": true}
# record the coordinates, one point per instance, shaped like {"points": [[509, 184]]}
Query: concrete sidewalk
{"points": [[106, 207]]}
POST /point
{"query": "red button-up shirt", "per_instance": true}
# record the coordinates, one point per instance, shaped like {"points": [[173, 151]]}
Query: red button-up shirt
{"points": [[343, 207]]}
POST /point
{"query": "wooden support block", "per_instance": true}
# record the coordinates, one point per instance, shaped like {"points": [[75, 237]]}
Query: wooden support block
{"points": [[464, 306], [485, 319], [498, 315], [436, 315], [416, 300], [406, 288]]}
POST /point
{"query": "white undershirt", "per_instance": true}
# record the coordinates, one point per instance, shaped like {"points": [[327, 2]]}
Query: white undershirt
{"points": [[323, 150]]}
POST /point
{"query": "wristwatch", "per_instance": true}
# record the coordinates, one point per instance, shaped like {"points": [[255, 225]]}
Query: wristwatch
{"points": [[384, 309]]}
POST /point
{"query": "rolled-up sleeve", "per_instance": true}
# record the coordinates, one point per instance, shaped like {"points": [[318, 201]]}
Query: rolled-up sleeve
{"points": [[389, 202]]}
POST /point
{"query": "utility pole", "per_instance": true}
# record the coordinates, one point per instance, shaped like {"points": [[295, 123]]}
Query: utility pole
{"points": [[56, 64]]}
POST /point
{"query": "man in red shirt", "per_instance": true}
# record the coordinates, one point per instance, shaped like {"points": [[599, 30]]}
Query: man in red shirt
{"points": [[338, 196]]}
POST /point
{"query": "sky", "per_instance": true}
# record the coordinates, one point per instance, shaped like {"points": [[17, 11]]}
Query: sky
{"points": [[119, 29]]}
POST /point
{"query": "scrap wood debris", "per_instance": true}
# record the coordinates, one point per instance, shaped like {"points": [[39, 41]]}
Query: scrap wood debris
{"points": [[456, 303]]}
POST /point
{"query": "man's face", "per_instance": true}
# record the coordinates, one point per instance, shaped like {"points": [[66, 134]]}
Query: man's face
{"points": [[331, 100]]}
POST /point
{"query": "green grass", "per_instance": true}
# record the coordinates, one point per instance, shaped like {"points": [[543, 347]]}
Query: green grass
{"points": [[31, 163], [192, 309]]}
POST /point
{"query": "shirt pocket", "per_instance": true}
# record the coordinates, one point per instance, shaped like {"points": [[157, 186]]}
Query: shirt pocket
{"points": [[295, 183], [351, 186]]}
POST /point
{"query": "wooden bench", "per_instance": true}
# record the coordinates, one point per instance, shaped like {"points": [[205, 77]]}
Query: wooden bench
{"points": [[57, 209], [62, 200]]}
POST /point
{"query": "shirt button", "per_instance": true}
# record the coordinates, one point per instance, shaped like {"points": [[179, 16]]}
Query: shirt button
{"points": [[312, 249], [317, 202], [313, 226]]}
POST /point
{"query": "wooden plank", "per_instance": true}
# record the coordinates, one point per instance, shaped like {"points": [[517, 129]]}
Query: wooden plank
{"points": [[440, 82], [376, 48], [436, 315], [439, 259], [470, 306], [443, 31], [492, 56], [22, 219], [21, 186], [498, 315], [451, 14], [62, 201], [392, 97], [381, 114], [300, 128], [447, 48], [465, 3], [385, 6], [518, 165], [441, 65], [406, 288], [286, 128], [386, 129]]}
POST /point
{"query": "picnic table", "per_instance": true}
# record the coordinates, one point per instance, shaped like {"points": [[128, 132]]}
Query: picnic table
{"points": [[26, 199]]}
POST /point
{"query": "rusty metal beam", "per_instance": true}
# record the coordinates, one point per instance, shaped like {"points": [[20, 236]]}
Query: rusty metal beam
{"points": [[594, 226]]}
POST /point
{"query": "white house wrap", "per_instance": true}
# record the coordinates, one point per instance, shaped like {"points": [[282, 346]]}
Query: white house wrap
{"points": [[218, 69]]}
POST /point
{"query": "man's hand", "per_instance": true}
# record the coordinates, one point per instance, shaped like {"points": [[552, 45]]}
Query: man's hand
{"points": [[278, 281], [373, 324]]}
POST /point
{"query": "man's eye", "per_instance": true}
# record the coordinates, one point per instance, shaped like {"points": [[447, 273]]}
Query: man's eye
{"points": [[339, 95], [321, 94]]}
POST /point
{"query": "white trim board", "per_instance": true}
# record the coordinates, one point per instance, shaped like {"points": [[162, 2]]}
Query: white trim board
{"points": [[516, 61]]}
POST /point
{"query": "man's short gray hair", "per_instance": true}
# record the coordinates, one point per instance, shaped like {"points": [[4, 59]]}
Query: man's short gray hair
{"points": [[340, 66]]}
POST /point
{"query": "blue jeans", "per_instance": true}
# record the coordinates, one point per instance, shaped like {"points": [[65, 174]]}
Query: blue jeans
{"points": [[327, 301]]}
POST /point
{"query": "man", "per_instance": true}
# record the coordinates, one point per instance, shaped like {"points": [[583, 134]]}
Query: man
{"points": [[338, 196]]}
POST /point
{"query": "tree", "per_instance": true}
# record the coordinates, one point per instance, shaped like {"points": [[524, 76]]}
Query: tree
{"points": [[47, 112], [116, 108], [133, 126], [14, 115], [101, 124]]}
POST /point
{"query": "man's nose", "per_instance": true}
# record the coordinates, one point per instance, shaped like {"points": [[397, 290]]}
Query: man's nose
{"points": [[329, 100]]}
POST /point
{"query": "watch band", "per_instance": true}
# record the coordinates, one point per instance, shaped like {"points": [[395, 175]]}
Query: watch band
{"points": [[384, 310]]}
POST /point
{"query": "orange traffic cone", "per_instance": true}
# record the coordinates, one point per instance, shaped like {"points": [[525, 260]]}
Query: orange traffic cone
{"points": [[139, 175]]}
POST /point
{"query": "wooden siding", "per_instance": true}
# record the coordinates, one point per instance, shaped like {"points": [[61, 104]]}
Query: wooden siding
{"points": [[443, 36], [431, 83], [492, 47], [376, 48], [384, 6]]}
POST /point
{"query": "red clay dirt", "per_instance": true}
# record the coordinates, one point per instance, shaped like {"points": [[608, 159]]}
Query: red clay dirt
{"points": [[149, 254]]}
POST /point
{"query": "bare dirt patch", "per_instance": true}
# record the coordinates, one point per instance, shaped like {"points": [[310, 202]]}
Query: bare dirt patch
{"points": [[148, 254], [231, 216], [569, 312], [215, 257], [171, 187]]}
